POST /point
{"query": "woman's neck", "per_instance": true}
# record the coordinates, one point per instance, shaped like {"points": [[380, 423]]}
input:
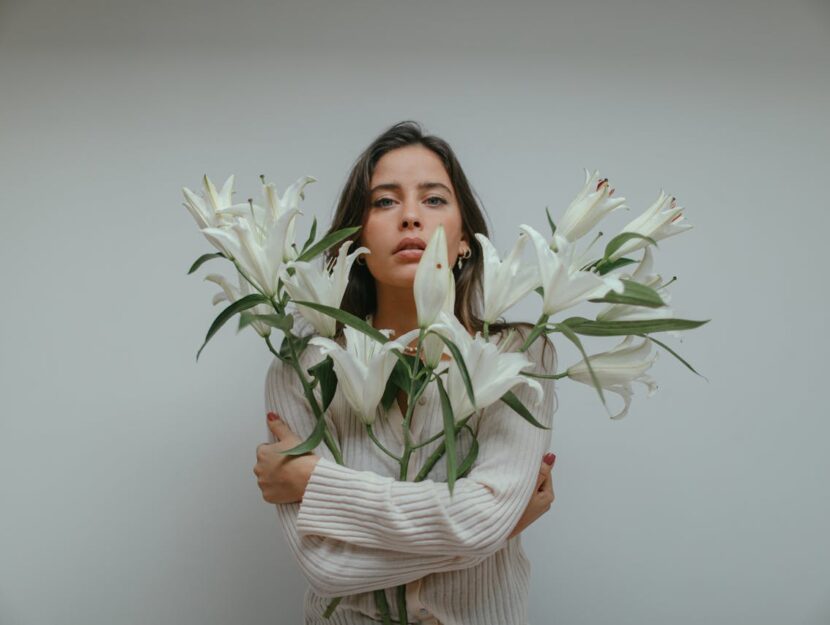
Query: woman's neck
{"points": [[396, 310]]}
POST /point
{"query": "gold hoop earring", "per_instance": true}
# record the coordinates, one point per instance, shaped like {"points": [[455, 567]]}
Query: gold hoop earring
{"points": [[467, 253]]}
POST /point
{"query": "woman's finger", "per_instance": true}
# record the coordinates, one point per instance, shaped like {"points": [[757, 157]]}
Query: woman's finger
{"points": [[548, 488], [539, 480], [543, 484]]}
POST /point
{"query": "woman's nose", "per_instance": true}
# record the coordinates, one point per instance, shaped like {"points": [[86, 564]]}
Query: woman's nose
{"points": [[410, 218]]}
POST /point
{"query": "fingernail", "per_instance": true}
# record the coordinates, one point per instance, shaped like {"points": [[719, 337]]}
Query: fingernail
{"points": [[549, 458], [272, 416]]}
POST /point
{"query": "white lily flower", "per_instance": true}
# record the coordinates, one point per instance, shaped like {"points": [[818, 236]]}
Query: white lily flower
{"points": [[280, 205], [588, 208], [326, 286], [627, 312], [492, 370], [505, 282], [209, 209], [231, 294], [660, 220], [275, 207], [257, 249], [434, 283], [617, 368], [433, 347], [363, 367], [563, 283]]}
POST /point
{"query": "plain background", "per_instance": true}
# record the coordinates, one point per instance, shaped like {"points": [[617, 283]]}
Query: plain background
{"points": [[126, 479]]}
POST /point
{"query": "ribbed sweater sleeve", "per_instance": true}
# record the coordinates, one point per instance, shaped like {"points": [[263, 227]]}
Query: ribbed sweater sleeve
{"points": [[332, 567], [366, 509]]}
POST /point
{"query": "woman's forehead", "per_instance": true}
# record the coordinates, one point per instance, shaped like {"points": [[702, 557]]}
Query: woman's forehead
{"points": [[409, 166]]}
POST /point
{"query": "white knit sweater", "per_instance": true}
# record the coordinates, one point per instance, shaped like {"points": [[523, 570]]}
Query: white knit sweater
{"points": [[358, 528]]}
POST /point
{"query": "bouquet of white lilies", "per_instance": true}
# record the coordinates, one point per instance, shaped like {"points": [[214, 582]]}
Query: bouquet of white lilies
{"points": [[273, 275]]}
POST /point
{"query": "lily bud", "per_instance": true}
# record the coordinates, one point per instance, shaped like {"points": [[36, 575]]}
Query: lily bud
{"points": [[434, 286]]}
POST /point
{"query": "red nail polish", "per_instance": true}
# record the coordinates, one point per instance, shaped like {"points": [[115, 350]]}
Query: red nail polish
{"points": [[272, 416], [549, 458]]}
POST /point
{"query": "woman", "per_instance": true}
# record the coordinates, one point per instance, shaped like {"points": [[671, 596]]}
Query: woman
{"points": [[354, 529]]}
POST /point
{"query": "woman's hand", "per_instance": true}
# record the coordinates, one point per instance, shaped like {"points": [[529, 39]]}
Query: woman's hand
{"points": [[281, 478], [542, 496]]}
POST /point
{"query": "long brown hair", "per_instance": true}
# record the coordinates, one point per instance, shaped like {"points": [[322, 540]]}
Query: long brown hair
{"points": [[360, 297]]}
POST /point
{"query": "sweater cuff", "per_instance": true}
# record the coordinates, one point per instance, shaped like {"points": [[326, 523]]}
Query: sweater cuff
{"points": [[332, 484]]}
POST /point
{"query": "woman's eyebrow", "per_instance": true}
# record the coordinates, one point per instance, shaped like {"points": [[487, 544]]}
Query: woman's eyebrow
{"points": [[395, 186]]}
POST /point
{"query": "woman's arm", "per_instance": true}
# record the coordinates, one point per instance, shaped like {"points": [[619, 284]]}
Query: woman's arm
{"points": [[366, 509], [332, 567]]}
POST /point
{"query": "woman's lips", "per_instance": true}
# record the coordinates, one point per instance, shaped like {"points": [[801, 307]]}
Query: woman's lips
{"points": [[410, 254]]}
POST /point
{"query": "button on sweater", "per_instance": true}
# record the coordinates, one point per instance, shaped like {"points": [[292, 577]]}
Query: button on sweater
{"points": [[359, 528]]}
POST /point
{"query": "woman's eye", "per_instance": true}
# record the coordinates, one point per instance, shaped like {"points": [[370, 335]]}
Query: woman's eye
{"points": [[435, 200]]}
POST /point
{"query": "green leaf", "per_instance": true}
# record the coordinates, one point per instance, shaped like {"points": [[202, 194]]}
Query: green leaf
{"points": [[311, 234], [249, 301], [608, 266], [244, 320], [617, 242], [516, 404], [348, 319], [634, 293], [300, 344], [324, 371], [398, 380], [390, 390], [281, 322], [589, 327], [326, 242], [673, 353], [462, 366], [550, 222], [449, 434], [202, 259], [311, 443], [467, 464], [573, 338]]}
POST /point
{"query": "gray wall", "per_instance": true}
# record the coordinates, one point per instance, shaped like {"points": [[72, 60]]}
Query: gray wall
{"points": [[125, 467]]}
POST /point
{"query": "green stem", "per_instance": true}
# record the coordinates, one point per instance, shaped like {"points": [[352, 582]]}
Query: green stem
{"points": [[378, 443], [332, 605], [544, 376], [539, 328], [309, 393], [329, 439], [403, 617], [407, 451], [438, 453], [383, 606], [412, 398], [458, 427]]}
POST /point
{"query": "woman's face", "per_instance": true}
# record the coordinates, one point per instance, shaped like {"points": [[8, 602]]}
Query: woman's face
{"points": [[411, 194]]}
